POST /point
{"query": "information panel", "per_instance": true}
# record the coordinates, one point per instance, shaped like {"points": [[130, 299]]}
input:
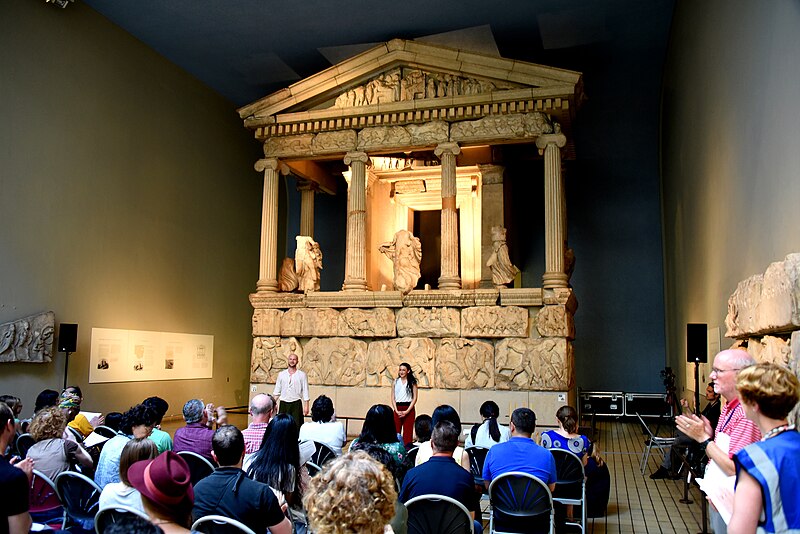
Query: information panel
{"points": [[137, 355]]}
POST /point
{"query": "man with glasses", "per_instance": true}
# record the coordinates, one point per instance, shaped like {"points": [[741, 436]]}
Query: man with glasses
{"points": [[262, 408], [734, 430]]}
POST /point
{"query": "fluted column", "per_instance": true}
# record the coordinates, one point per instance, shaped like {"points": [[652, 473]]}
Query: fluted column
{"points": [[554, 211], [492, 210], [449, 278], [355, 265], [307, 190], [268, 261]]}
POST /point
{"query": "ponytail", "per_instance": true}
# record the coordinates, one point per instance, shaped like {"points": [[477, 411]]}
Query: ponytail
{"points": [[491, 411]]}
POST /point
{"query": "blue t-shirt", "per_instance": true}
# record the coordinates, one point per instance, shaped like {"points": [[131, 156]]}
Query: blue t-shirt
{"points": [[553, 440], [520, 454]]}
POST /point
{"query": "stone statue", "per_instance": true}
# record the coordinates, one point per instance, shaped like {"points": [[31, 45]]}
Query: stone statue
{"points": [[405, 251], [308, 263], [287, 279], [29, 339], [503, 271]]}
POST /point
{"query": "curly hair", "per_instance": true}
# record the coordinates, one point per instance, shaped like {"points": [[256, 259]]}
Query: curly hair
{"points": [[773, 388], [48, 423], [353, 493]]}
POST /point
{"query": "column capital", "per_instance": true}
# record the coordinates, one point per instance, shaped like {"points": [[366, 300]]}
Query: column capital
{"points": [[307, 185], [267, 163], [449, 148], [557, 139], [350, 157]]}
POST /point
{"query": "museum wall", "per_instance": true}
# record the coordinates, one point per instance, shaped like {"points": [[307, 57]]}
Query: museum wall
{"points": [[129, 201], [730, 158]]}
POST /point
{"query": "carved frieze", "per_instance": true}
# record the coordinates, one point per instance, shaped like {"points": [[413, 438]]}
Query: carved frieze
{"points": [[267, 322], [355, 299], [540, 364], [437, 297], [514, 126], [334, 142], [336, 361], [310, 322], [464, 364], [429, 133], [384, 357], [555, 321], [270, 355], [291, 145], [521, 296], [494, 321], [359, 322], [29, 339], [770, 349], [270, 299], [383, 137], [428, 322]]}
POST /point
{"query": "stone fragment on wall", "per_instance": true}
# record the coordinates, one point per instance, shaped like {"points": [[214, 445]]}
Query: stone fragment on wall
{"points": [[269, 357], [334, 142], [540, 364], [310, 322], [29, 339], [428, 322], [555, 321], [361, 322], [464, 364], [267, 322], [384, 357], [775, 307], [383, 137], [742, 307], [429, 133], [494, 321], [773, 350], [512, 126], [335, 361], [292, 145]]}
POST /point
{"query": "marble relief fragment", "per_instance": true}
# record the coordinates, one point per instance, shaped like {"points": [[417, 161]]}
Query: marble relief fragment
{"points": [[540, 364], [464, 364], [335, 361], [555, 321], [29, 339], [432, 132], [384, 356], [292, 145], [428, 322], [269, 357], [774, 350], [334, 142], [366, 322], [383, 136], [775, 307], [310, 322], [494, 321], [267, 322]]}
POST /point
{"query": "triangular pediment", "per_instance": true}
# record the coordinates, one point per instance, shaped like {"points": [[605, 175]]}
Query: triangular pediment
{"points": [[402, 73]]}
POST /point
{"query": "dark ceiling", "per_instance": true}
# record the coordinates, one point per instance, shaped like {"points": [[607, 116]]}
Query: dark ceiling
{"points": [[246, 49]]}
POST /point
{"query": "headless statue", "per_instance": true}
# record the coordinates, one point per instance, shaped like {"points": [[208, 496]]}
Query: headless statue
{"points": [[405, 251], [503, 271]]}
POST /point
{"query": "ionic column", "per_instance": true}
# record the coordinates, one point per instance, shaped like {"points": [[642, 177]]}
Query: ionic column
{"points": [[492, 209], [268, 261], [307, 190], [449, 278], [355, 265], [554, 211]]}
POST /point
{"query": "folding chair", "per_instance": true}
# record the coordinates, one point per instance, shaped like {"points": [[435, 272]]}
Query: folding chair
{"points": [[322, 454], [105, 431], [199, 467], [570, 484], [79, 495], [106, 517], [44, 504], [24, 443], [521, 503], [437, 514], [477, 457], [652, 441], [218, 524], [76, 434], [411, 456]]}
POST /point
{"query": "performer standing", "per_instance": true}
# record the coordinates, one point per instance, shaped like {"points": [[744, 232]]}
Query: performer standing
{"points": [[291, 391], [404, 398]]}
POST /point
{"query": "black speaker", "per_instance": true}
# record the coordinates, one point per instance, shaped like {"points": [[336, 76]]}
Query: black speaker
{"points": [[67, 337], [696, 342]]}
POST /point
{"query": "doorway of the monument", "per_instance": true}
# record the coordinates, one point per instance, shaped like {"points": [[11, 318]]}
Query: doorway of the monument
{"points": [[428, 227]]}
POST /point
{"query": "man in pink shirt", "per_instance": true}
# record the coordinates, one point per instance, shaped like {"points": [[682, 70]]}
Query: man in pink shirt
{"points": [[262, 408]]}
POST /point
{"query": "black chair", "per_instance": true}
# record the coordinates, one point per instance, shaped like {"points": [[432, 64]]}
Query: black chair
{"points": [[218, 524], [24, 443], [521, 503], [411, 456], [106, 432], [76, 434], [106, 517], [312, 468], [570, 484], [437, 514], [79, 495], [44, 503], [199, 467], [477, 457], [322, 454]]}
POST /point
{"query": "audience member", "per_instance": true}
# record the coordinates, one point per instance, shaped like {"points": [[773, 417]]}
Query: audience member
{"points": [[196, 435], [488, 433], [80, 423], [353, 493], [444, 413], [162, 439], [566, 436], [520, 453], [323, 426], [45, 399], [113, 420], [422, 429], [399, 521], [14, 480], [122, 493], [379, 429], [291, 391], [228, 491], [404, 397], [16, 407], [441, 475], [132, 524], [262, 408], [52, 454], [137, 422], [166, 489], [70, 404], [734, 430], [767, 497], [277, 462]]}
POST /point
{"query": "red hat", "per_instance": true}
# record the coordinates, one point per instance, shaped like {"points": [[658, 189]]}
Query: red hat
{"points": [[165, 480]]}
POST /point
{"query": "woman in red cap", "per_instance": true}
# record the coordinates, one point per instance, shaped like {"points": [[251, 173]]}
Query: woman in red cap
{"points": [[166, 488]]}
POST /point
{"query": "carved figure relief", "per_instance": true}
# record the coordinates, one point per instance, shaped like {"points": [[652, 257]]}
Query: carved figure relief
{"points": [[360, 322], [494, 321], [330, 142], [432, 132], [29, 339], [383, 357], [428, 322], [465, 364], [503, 271], [269, 357], [294, 145], [533, 364], [287, 278], [267, 322], [514, 126], [405, 251], [308, 263], [380, 136], [310, 322], [555, 321], [336, 361]]}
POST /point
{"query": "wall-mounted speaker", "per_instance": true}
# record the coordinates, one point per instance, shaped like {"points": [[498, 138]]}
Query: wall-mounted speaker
{"points": [[697, 342], [67, 337]]}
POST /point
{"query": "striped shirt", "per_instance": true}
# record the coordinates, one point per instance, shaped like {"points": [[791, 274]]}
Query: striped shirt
{"points": [[253, 436], [733, 422]]}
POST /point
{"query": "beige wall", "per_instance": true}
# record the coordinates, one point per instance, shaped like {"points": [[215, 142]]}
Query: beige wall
{"points": [[128, 200], [730, 154]]}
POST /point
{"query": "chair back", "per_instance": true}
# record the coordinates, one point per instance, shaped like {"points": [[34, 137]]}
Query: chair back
{"points": [[106, 432], [570, 477], [312, 468], [106, 517], [437, 514], [477, 457], [76, 434], [218, 524], [520, 503], [79, 494], [44, 504], [24, 443], [411, 456], [646, 428], [322, 454], [199, 467]]}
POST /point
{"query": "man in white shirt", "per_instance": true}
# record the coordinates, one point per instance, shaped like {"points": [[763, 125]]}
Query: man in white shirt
{"points": [[291, 391]]}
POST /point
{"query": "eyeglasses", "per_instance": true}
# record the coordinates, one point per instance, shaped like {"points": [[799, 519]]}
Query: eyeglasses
{"points": [[720, 371]]}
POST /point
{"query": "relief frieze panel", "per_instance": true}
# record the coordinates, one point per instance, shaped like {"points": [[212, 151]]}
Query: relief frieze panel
{"points": [[428, 322], [334, 142], [360, 322], [555, 321], [292, 145], [514, 126], [465, 364], [383, 358], [267, 322], [339, 361], [29, 339], [269, 357], [540, 364], [310, 322], [494, 321]]}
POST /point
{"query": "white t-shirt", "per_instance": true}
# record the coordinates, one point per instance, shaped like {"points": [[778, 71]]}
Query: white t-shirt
{"points": [[401, 393], [331, 434], [484, 439], [118, 494], [291, 387]]}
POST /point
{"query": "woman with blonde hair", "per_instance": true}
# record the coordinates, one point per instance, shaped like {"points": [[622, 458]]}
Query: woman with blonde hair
{"points": [[353, 493], [52, 453], [767, 497]]}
